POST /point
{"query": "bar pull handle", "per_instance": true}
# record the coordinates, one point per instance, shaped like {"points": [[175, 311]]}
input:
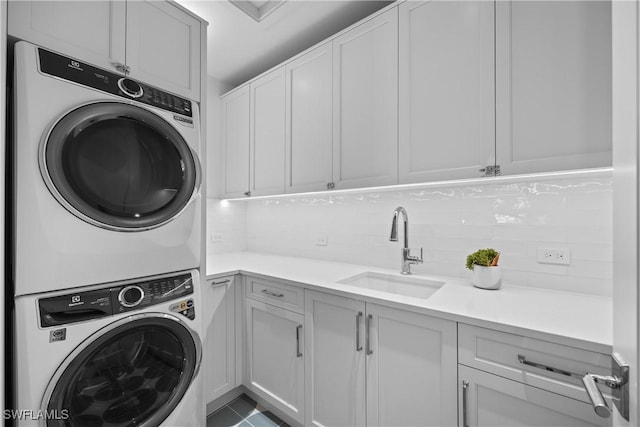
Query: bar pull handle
{"points": [[272, 294], [465, 386], [298, 352], [368, 333], [358, 345], [220, 282], [597, 400], [522, 359]]}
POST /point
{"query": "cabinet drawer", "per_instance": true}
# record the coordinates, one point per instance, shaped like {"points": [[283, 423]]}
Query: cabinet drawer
{"points": [[500, 354], [276, 293]]}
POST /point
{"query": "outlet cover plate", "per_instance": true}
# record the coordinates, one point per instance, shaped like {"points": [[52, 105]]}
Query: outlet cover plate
{"points": [[554, 256]]}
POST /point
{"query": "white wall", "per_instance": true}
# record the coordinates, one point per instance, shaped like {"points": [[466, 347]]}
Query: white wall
{"points": [[514, 218]]}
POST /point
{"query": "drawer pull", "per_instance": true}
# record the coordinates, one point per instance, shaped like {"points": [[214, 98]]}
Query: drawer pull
{"points": [[465, 386], [298, 352], [522, 359], [220, 282], [272, 294]]}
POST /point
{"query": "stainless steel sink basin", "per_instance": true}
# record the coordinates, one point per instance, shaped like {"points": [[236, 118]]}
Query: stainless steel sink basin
{"points": [[409, 286]]}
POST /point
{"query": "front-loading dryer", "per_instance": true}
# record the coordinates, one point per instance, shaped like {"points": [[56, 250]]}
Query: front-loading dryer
{"points": [[107, 175], [113, 355]]}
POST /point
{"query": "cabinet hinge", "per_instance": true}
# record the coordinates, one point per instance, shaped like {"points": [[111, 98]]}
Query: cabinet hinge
{"points": [[491, 170]]}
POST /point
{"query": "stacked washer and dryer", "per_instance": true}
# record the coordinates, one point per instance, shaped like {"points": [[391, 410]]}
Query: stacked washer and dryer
{"points": [[107, 235]]}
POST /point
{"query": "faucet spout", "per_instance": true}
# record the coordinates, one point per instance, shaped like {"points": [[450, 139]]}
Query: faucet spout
{"points": [[407, 259]]}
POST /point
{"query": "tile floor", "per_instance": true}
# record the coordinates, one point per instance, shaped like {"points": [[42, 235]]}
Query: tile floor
{"points": [[244, 412]]}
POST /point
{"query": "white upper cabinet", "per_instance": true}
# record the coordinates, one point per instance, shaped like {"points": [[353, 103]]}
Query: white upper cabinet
{"points": [[235, 135], [163, 46], [365, 132], [90, 31], [156, 40], [266, 163], [446, 107], [309, 120], [553, 94]]}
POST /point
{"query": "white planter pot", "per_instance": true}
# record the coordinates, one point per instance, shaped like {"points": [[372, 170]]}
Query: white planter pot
{"points": [[487, 277]]}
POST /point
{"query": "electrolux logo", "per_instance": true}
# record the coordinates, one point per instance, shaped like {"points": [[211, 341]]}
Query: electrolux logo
{"points": [[75, 65], [30, 414], [76, 300]]}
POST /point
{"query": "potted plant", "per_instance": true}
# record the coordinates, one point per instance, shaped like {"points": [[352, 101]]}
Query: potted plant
{"points": [[486, 272]]}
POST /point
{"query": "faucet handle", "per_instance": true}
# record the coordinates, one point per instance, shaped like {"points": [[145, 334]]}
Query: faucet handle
{"points": [[415, 259]]}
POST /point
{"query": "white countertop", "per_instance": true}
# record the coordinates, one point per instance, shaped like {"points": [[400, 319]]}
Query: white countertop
{"points": [[579, 320]]}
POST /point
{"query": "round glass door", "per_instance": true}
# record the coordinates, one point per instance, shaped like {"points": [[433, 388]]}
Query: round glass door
{"points": [[119, 166], [133, 375]]}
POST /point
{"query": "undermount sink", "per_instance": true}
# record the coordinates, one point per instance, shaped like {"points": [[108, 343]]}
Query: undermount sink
{"points": [[409, 286]]}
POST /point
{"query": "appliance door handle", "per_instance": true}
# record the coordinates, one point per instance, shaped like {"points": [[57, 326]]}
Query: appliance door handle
{"points": [[298, 352], [358, 345]]}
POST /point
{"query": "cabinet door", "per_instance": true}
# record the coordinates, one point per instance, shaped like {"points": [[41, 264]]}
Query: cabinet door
{"points": [[219, 345], [365, 141], [446, 89], [493, 401], [275, 362], [411, 369], [309, 121], [235, 137], [267, 134], [335, 387], [90, 31], [553, 94], [163, 47]]}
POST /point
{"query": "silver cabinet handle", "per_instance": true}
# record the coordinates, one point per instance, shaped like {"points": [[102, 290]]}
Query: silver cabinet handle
{"points": [[597, 400], [465, 386], [358, 345], [298, 352], [121, 67], [522, 359], [220, 282], [368, 334], [273, 294]]}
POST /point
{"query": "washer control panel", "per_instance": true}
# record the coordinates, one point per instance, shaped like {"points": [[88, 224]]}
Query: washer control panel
{"points": [[106, 81], [108, 301], [142, 294]]}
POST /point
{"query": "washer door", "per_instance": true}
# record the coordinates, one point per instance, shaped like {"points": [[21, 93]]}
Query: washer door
{"points": [[132, 375], [119, 166]]}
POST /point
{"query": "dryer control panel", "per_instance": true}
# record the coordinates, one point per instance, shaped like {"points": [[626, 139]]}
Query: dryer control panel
{"points": [[106, 81], [112, 300]]}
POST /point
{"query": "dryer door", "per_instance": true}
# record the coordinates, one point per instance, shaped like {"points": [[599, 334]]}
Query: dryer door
{"points": [[134, 374], [119, 166]]}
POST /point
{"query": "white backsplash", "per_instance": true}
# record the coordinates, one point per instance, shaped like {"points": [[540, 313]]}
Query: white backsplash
{"points": [[449, 222], [229, 222]]}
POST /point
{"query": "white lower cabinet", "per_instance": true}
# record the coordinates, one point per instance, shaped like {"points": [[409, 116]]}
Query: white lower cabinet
{"points": [[372, 365], [220, 341], [275, 357], [490, 400]]}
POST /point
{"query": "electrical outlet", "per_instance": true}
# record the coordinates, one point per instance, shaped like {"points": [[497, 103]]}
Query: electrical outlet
{"points": [[216, 237], [321, 239], [554, 256]]}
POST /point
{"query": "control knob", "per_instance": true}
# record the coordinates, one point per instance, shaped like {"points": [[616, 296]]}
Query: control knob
{"points": [[130, 87], [131, 296]]}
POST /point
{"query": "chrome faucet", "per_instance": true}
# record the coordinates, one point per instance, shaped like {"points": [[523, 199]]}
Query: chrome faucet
{"points": [[407, 259]]}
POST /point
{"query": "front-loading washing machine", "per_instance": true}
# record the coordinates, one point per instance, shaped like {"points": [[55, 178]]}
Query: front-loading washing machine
{"points": [[114, 355], [106, 175]]}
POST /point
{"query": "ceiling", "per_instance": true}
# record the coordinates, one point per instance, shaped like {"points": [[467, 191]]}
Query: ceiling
{"points": [[239, 48]]}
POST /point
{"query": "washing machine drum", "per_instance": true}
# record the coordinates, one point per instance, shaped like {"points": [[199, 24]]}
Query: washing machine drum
{"points": [[119, 166], [132, 375]]}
